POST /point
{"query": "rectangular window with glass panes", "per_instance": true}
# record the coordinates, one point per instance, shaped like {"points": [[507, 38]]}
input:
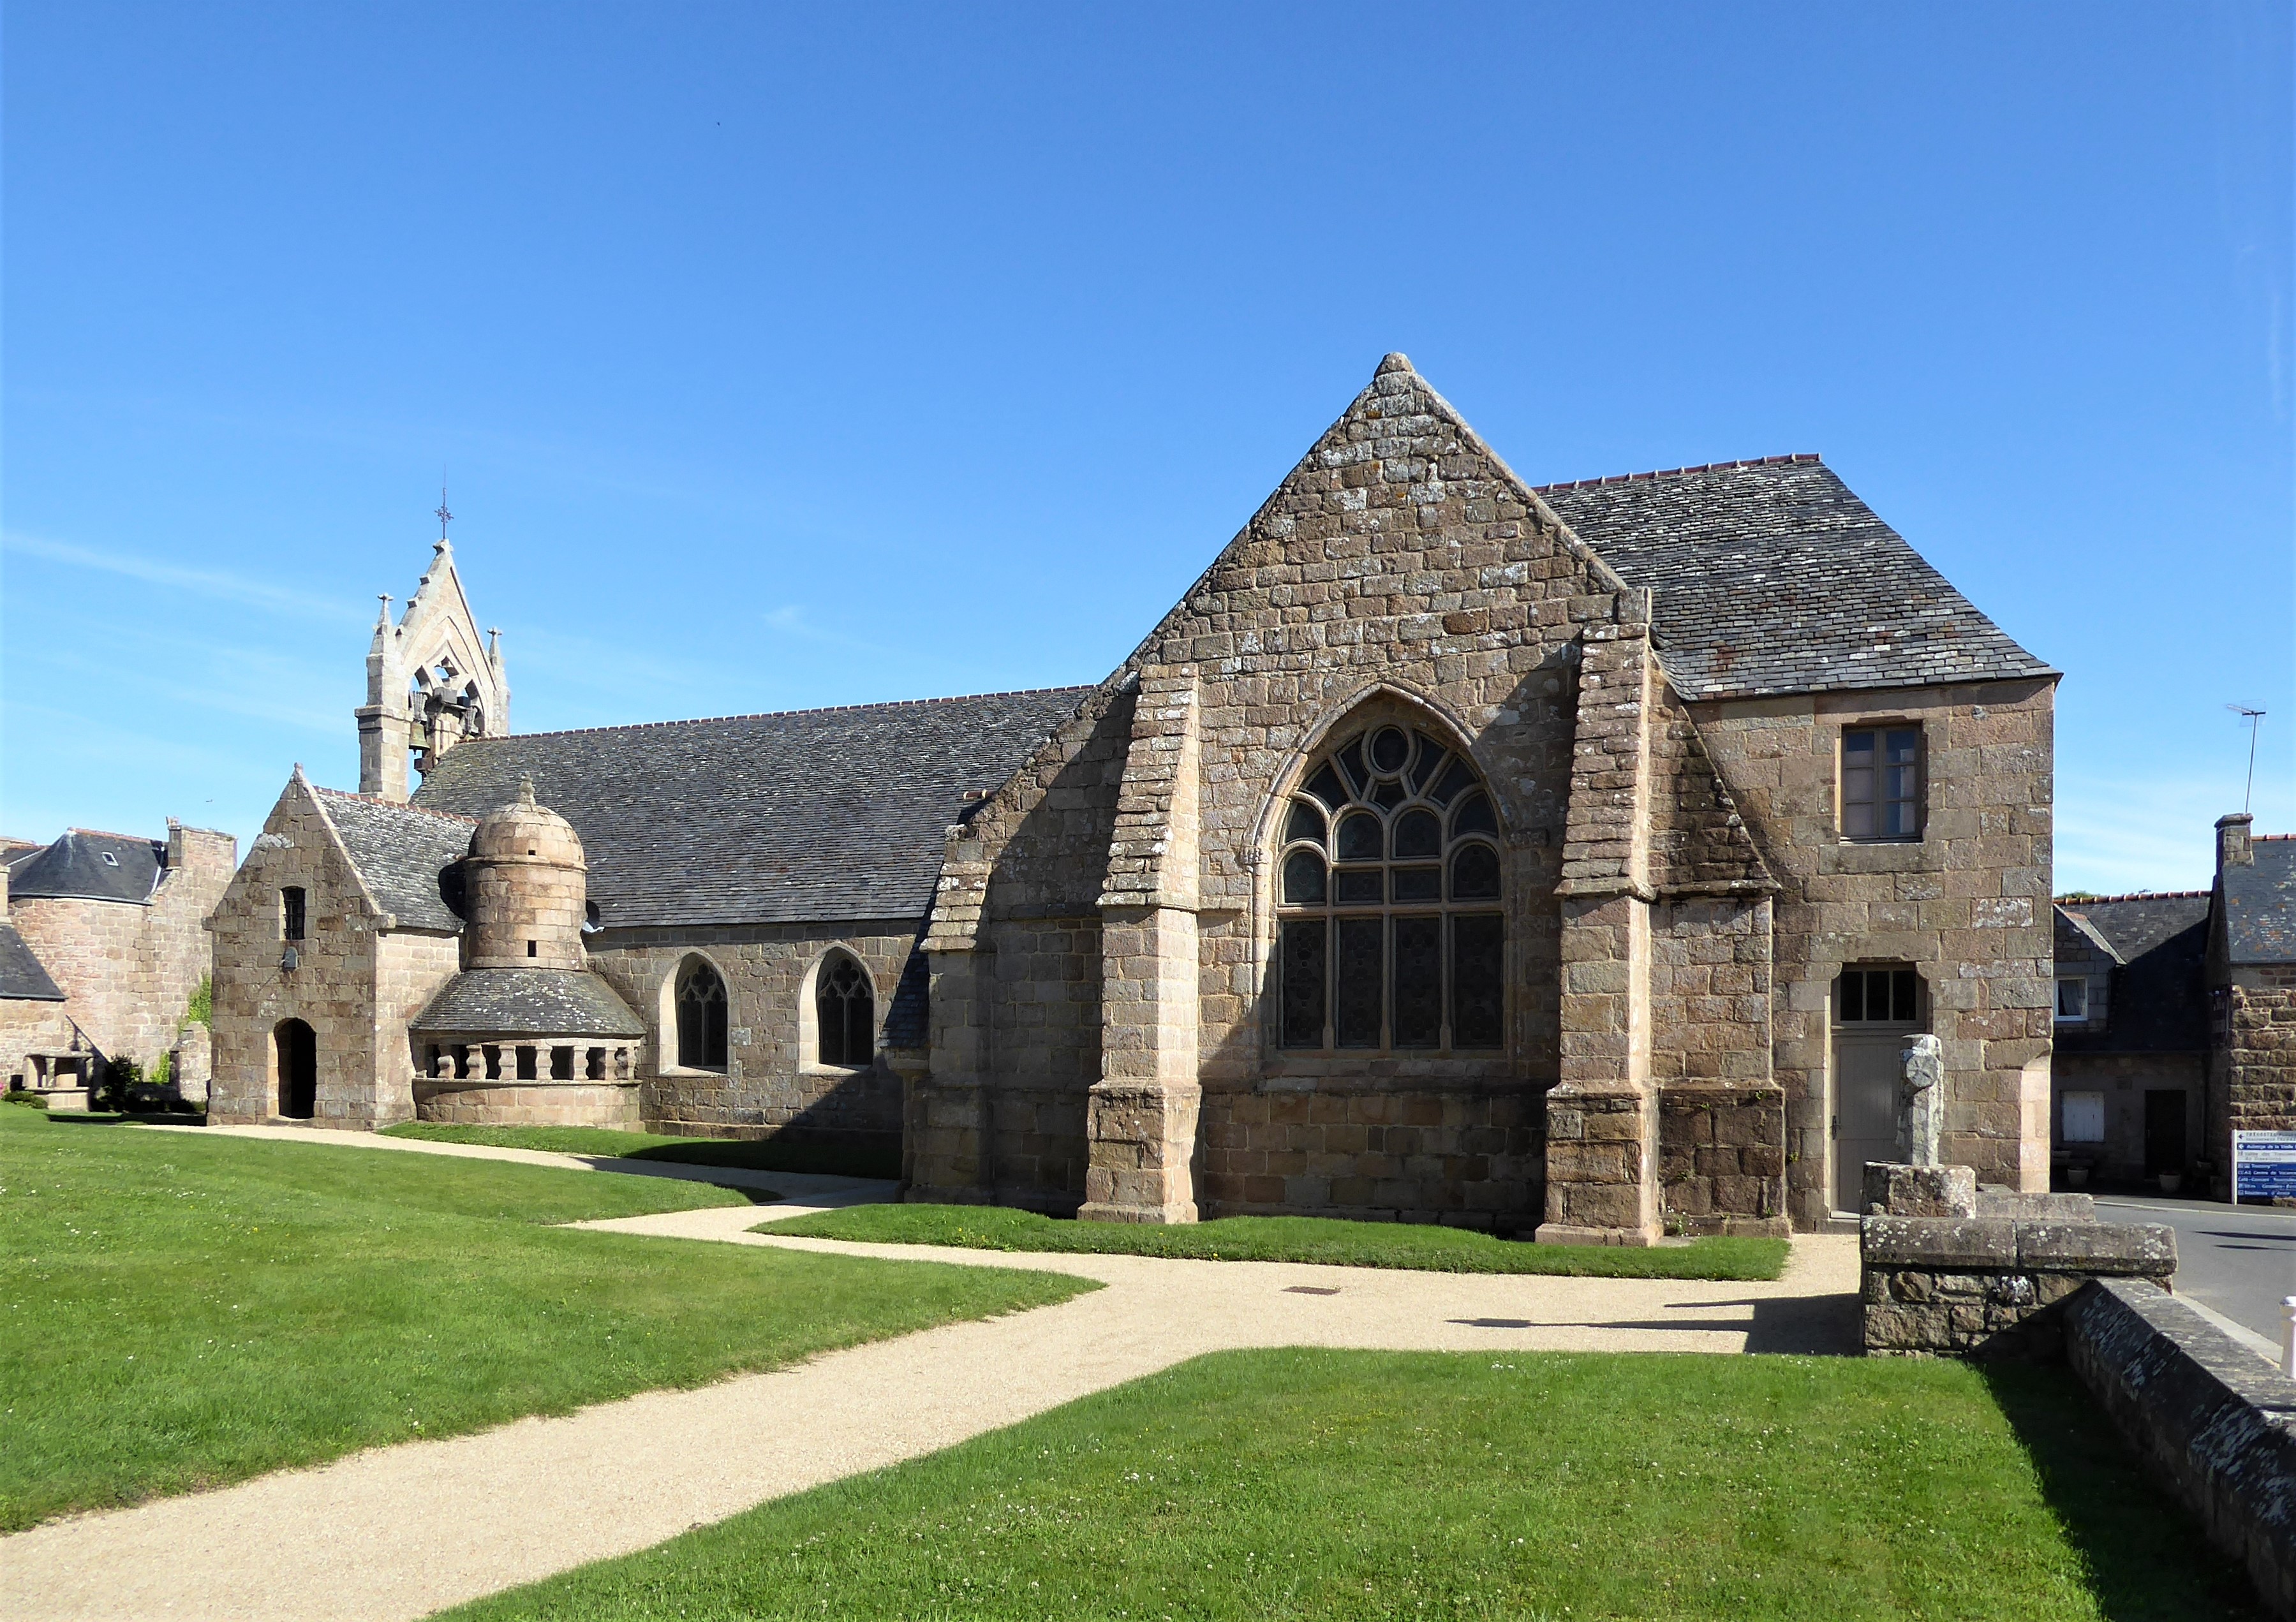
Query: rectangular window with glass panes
{"points": [[1882, 782]]}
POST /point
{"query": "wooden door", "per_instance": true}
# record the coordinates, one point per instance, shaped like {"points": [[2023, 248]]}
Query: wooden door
{"points": [[1868, 1072]]}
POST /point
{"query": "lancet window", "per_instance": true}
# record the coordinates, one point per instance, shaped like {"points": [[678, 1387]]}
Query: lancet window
{"points": [[844, 1013], [700, 1016], [1389, 933]]}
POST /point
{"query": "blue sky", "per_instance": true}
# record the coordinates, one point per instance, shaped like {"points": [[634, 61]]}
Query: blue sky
{"points": [[801, 357]]}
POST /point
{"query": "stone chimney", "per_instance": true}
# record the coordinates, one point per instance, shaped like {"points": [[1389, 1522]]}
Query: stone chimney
{"points": [[2233, 849]]}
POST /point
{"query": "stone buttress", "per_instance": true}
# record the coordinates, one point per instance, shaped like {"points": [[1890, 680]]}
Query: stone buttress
{"points": [[1141, 1121]]}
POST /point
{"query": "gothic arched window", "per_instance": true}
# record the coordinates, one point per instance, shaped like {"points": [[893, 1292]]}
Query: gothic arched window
{"points": [[700, 1016], [1389, 933], [845, 1011]]}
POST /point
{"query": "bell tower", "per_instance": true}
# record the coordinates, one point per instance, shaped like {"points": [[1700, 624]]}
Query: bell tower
{"points": [[430, 680]]}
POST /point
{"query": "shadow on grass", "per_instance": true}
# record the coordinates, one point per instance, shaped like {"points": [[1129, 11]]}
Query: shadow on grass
{"points": [[772, 1154], [2132, 1535]]}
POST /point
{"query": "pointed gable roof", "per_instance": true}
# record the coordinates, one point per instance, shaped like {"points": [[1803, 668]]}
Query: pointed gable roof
{"points": [[807, 815], [23, 977], [1771, 577], [88, 865], [2260, 903], [399, 852]]}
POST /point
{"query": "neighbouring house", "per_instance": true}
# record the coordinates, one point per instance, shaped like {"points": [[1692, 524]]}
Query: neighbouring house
{"points": [[2251, 990], [1575, 859], [101, 947], [2176, 1019], [2132, 1036]]}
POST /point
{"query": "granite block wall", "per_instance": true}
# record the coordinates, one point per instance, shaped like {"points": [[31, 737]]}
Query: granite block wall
{"points": [[1967, 905], [772, 1083], [2255, 1059], [332, 987], [129, 968]]}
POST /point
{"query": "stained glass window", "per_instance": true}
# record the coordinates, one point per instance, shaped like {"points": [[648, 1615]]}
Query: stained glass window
{"points": [[1389, 937]]}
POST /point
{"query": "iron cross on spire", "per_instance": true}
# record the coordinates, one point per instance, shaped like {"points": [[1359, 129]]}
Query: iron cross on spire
{"points": [[444, 517]]}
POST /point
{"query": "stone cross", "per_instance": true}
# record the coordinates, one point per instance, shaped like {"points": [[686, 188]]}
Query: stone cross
{"points": [[1922, 1120]]}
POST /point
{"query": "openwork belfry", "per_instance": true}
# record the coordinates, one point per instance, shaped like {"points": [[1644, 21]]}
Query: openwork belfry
{"points": [[1572, 860]]}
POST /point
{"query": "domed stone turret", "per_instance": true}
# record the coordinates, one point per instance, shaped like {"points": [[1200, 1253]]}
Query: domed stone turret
{"points": [[526, 890]]}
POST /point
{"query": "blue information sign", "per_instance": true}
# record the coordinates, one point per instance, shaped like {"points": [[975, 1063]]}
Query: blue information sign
{"points": [[2263, 1165]]}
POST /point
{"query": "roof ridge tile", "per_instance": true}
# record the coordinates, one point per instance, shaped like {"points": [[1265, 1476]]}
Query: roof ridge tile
{"points": [[778, 715], [398, 805], [1701, 467], [2142, 895]]}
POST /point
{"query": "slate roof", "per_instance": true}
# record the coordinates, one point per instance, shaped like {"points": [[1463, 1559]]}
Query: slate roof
{"points": [[22, 976], [400, 852], [2260, 903], [807, 815], [2159, 1002], [527, 1002], [95, 867], [1771, 577]]}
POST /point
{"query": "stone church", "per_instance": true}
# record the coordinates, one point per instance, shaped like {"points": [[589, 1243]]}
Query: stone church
{"points": [[1573, 859]]}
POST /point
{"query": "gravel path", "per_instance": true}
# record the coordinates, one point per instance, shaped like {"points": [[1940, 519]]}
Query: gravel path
{"points": [[400, 1532]]}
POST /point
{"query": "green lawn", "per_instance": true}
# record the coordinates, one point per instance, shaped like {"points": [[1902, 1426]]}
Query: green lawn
{"points": [[182, 1310], [756, 1154], [1318, 1484], [1289, 1239]]}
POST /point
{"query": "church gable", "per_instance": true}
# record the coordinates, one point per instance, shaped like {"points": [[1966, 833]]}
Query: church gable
{"points": [[1401, 551]]}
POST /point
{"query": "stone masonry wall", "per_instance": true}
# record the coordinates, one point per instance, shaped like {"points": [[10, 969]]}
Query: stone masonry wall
{"points": [[771, 1083], [2256, 1056], [27, 1027], [331, 988], [1967, 905], [1400, 569], [129, 969], [2124, 1080], [1470, 1157], [410, 968], [91, 950]]}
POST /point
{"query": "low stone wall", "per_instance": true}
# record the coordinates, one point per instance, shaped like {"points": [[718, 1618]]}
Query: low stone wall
{"points": [[2215, 1422], [1945, 1270], [529, 1103]]}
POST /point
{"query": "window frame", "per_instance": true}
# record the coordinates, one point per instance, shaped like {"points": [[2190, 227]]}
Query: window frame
{"points": [[294, 913], [2088, 999], [688, 969], [818, 990], [1874, 803], [1318, 927]]}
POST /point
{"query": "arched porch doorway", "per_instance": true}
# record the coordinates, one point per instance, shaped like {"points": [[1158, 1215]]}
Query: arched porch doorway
{"points": [[295, 1053]]}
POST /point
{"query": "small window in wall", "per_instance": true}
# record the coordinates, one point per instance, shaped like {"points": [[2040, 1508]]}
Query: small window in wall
{"points": [[291, 913], [1882, 782], [2084, 1117], [1878, 996], [701, 1017], [2073, 999], [844, 1013]]}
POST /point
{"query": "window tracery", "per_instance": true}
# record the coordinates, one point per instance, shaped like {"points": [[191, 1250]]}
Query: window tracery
{"points": [[700, 1016], [1390, 936], [845, 1022]]}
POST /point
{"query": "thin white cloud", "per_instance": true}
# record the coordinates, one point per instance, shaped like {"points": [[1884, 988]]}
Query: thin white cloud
{"points": [[788, 619], [210, 583]]}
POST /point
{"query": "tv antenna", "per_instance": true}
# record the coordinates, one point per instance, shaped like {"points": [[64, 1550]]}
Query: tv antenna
{"points": [[2255, 719]]}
